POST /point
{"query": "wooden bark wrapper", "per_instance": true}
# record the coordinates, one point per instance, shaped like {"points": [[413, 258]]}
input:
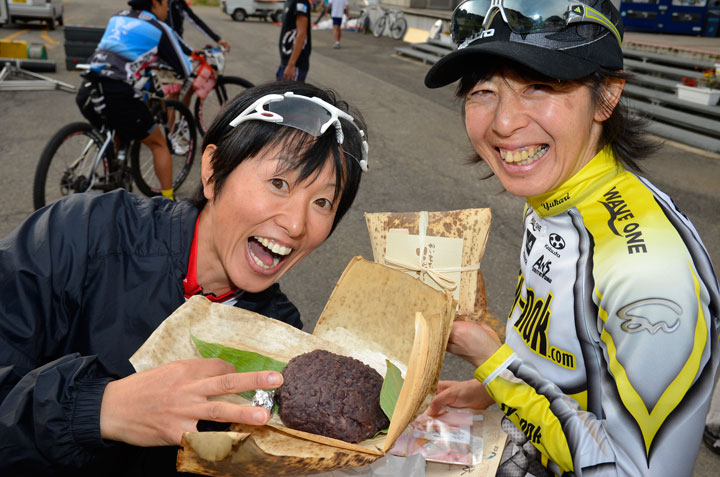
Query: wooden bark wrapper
{"points": [[373, 313], [471, 225]]}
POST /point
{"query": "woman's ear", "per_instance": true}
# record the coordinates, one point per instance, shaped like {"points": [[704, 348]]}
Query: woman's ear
{"points": [[611, 92], [207, 171]]}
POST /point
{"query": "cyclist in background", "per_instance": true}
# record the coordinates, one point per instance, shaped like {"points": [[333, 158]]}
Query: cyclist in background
{"points": [[179, 10], [132, 39]]}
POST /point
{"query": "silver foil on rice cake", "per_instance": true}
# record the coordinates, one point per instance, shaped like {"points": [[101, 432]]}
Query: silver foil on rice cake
{"points": [[264, 399]]}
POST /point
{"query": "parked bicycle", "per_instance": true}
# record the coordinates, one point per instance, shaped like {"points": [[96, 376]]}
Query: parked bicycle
{"points": [[82, 158], [395, 22]]}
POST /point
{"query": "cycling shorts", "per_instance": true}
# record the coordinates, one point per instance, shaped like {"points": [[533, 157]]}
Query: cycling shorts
{"points": [[126, 114], [337, 21]]}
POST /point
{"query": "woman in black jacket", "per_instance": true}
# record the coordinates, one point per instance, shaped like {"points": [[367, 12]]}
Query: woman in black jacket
{"points": [[85, 281]]}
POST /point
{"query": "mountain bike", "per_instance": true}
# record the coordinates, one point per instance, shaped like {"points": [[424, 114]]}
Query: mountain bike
{"points": [[83, 158], [394, 20], [220, 88]]}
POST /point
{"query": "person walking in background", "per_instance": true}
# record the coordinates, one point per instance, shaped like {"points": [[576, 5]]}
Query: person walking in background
{"points": [[611, 342], [338, 8], [179, 11], [295, 43]]}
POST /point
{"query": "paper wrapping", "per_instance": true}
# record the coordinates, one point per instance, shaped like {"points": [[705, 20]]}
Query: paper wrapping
{"points": [[373, 313], [470, 225]]}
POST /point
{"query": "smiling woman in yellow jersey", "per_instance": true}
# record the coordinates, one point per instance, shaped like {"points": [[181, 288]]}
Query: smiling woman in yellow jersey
{"points": [[612, 338]]}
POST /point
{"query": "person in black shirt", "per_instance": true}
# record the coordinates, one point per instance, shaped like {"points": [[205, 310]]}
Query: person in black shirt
{"points": [[295, 43]]}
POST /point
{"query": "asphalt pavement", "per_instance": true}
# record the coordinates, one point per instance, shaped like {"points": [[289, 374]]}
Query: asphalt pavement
{"points": [[418, 151]]}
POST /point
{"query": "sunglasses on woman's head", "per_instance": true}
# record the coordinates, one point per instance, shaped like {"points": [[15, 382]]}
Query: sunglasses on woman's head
{"points": [[471, 19], [309, 114]]}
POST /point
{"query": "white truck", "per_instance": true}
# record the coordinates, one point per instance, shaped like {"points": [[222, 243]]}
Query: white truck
{"points": [[240, 10], [49, 11]]}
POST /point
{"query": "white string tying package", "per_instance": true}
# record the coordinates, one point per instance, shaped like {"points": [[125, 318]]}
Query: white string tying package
{"points": [[438, 275]]}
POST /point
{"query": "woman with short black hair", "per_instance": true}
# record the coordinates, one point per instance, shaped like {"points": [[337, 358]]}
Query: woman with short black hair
{"points": [[86, 280]]}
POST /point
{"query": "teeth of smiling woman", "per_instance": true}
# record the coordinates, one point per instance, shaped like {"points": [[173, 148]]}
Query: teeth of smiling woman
{"points": [[275, 247], [262, 265], [526, 156]]}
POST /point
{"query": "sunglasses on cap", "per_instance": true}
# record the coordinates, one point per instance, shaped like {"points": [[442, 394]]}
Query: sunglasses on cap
{"points": [[309, 114], [471, 19]]}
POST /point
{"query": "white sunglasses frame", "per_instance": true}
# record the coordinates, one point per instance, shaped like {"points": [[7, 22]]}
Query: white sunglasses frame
{"points": [[255, 112]]}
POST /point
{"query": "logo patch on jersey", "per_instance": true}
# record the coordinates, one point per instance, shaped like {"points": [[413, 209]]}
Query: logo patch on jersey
{"points": [[554, 203], [542, 268], [635, 322], [535, 225], [556, 241], [532, 326], [529, 242], [620, 213], [120, 27], [301, 8]]}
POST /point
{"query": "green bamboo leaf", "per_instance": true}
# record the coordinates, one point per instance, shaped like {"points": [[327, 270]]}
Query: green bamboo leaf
{"points": [[390, 389], [244, 361]]}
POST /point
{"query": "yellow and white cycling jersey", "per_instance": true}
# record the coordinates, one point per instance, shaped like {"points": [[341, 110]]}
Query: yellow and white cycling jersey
{"points": [[612, 339]]}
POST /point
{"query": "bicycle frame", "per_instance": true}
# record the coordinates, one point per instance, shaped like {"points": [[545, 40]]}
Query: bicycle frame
{"points": [[109, 136]]}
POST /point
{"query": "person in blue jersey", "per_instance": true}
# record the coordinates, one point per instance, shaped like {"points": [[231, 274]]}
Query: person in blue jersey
{"points": [[611, 345], [86, 280], [132, 39]]}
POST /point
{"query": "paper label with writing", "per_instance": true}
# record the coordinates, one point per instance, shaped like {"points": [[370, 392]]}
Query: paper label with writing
{"points": [[437, 254]]}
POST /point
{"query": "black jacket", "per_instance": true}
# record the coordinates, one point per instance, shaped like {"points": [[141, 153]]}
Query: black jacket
{"points": [[83, 283]]}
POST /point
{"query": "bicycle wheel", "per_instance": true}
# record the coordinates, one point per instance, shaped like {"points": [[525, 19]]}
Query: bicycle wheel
{"points": [[182, 142], [69, 163], [227, 88], [398, 28], [379, 27]]}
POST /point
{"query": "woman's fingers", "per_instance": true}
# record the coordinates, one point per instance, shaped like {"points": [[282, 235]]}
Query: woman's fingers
{"points": [[221, 411], [443, 385], [473, 342], [442, 399], [155, 407], [234, 383], [460, 394]]}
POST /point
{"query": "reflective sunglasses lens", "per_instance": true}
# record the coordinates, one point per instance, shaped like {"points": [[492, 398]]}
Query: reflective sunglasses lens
{"points": [[467, 19], [301, 114], [526, 16]]}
